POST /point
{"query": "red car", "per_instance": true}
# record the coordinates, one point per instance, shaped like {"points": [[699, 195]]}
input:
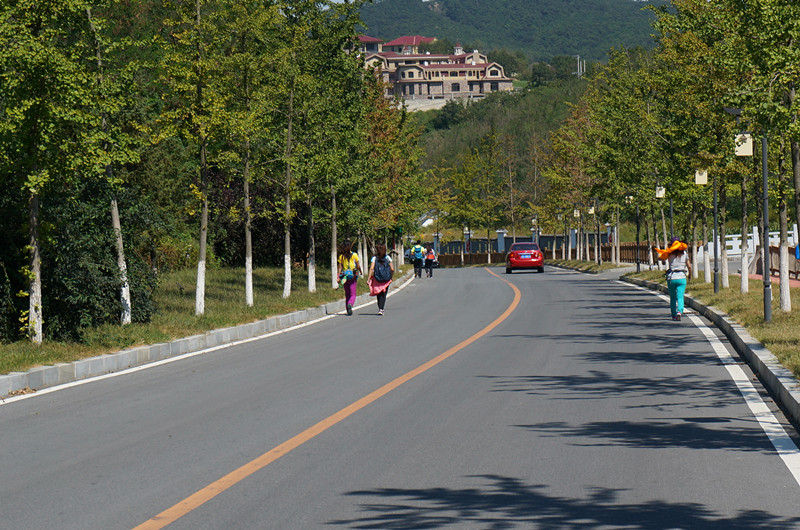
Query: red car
{"points": [[524, 256]]}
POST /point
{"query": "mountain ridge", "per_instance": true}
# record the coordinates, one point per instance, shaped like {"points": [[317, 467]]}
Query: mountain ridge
{"points": [[541, 29]]}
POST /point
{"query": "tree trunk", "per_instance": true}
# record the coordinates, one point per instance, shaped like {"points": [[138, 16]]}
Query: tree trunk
{"points": [[648, 227], [287, 209], [744, 284], [664, 228], [723, 247], [35, 319], [795, 148], [783, 216], [695, 268], [248, 235], [125, 290], [334, 242], [707, 273], [200, 293], [312, 251], [616, 240]]}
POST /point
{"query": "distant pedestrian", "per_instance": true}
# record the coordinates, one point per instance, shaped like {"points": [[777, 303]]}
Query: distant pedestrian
{"points": [[680, 268], [418, 255], [430, 257], [349, 269], [381, 270]]}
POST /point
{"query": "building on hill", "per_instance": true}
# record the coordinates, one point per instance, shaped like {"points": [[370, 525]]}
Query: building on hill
{"points": [[407, 45], [413, 75]]}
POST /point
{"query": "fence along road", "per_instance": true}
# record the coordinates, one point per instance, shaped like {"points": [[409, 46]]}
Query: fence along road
{"points": [[585, 406]]}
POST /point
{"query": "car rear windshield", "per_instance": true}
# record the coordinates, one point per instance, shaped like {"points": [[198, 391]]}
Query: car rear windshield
{"points": [[524, 246]]}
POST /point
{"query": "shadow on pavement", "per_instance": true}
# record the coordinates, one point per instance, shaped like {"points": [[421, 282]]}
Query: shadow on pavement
{"points": [[506, 502]]}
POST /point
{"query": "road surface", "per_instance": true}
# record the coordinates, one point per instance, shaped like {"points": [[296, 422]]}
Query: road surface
{"points": [[565, 401]]}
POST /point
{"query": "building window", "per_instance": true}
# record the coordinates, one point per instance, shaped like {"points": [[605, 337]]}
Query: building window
{"points": [[456, 87], [410, 75], [494, 73], [495, 86]]}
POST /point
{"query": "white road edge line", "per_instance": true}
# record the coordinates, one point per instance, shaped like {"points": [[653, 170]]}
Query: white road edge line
{"points": [[13, 399], [781, 441]]}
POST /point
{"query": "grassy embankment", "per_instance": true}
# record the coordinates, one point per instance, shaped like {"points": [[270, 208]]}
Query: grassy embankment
{"points": [[175, 315], [781, 336]]}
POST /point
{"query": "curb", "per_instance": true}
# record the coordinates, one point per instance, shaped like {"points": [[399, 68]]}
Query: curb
{"points": [[62, 373], [779, 381]]}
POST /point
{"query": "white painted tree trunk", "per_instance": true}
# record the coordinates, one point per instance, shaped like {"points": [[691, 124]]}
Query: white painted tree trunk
{"points": [[334, 242], [723, 267], [248, 235], [287, 275], [786, 299], [617, 257], [312, 253], [200, 294], [287, 251], [744, 284], [125, 290], [35, 318], [783, 253], [248, 281], [708, 275]]}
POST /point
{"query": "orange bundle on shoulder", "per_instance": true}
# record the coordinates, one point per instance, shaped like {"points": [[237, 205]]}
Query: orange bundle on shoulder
{"points": [[676, 245]]}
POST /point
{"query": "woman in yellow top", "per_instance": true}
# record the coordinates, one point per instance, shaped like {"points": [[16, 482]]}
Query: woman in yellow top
{"points": [[349, 268], [680, 269]]}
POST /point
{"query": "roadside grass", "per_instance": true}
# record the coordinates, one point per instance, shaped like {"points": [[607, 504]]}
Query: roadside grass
{"points": [[583, 266], [174, 318], [781, 336]]}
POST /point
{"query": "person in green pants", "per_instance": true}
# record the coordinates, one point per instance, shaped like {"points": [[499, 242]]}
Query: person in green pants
{"points": [[680, 270]]}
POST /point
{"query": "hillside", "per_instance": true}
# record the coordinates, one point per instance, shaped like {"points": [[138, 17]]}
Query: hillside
{"points": [[539, 28]]}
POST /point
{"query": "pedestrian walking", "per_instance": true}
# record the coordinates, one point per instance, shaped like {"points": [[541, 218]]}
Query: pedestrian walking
{"points": [[418, 253], [349, 269], [430, 257], [680, 268], [381, 270]]}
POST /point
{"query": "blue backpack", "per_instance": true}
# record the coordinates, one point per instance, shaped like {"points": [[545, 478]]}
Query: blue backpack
{"points": [[383, 271], [417, 251]]}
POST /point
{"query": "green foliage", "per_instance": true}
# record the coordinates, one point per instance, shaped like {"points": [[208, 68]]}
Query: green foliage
{"points": [[80, 274], [540, 30]]}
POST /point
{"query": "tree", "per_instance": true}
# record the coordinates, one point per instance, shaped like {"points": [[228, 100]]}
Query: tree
{"points": [[43, 93], [190, 69]]}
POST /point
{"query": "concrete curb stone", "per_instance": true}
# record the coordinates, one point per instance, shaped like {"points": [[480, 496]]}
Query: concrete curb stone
{"points": [[779, 381], [46, 376]]}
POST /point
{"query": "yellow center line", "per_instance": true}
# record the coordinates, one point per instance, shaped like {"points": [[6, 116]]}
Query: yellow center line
{"points": [[204, 495]]}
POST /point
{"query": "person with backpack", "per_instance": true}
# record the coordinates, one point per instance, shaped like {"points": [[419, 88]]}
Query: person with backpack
{"points": [[418, 253], [430, 257], [381, 270], [349, 268]]}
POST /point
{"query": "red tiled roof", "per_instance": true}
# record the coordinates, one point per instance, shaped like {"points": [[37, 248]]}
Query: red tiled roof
{"points": [[411, 40], [456, 66], [366, 38]]}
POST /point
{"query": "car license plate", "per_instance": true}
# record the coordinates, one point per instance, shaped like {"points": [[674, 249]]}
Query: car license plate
{"points": [[525, 256]]}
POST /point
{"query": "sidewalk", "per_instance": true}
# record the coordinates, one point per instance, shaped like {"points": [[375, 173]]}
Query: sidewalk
{"points": [[775, 279]]}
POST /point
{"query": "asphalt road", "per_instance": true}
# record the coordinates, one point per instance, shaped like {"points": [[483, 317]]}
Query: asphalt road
{"points": [[582, 405]]}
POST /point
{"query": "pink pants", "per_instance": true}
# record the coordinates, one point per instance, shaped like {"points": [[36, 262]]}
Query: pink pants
{"points": [[350, 291]]}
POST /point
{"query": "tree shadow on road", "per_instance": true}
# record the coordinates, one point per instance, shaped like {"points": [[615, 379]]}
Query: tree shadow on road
{"points": [[506, 502], [598, 384]]}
